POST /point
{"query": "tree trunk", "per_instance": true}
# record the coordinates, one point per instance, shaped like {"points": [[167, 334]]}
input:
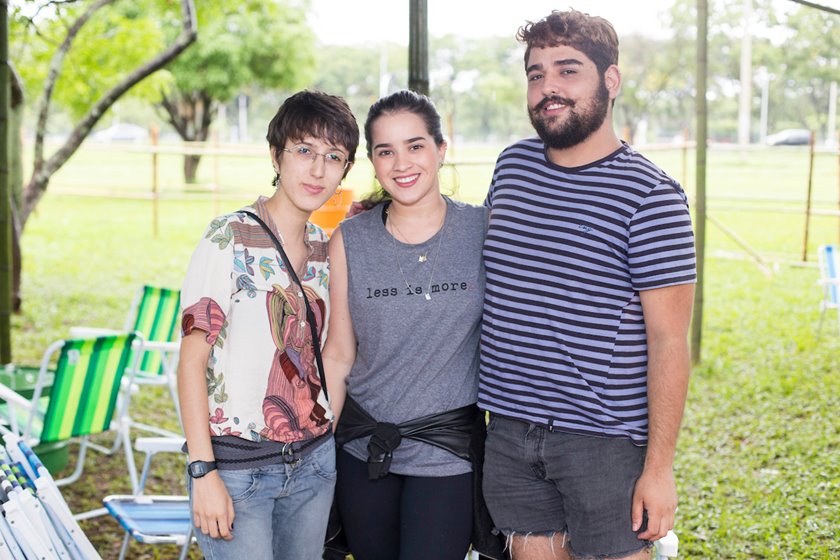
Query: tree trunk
{"points": [[16, 178], [190, 168], [190, 114]]}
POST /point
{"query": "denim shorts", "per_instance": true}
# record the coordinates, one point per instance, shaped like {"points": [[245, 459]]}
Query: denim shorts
{"points": [[281, 510], [538, 481]]}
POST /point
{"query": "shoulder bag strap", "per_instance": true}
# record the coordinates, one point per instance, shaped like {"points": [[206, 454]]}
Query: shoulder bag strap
{"points": [[310, 317]]}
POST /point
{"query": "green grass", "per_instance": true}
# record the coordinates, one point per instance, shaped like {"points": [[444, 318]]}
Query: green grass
{"points": [[758, 464]]}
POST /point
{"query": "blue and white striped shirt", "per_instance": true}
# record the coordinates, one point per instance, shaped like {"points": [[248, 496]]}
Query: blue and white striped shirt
{"points": [[567, 252]]}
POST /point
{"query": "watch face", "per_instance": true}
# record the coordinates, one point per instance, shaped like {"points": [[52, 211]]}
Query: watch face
{"points": [[198, 469]]}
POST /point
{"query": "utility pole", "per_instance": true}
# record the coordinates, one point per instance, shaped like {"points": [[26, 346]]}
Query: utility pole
{"points": [[700, 195], [764, 79], [831, 128], [418, 46], [745, 100]]}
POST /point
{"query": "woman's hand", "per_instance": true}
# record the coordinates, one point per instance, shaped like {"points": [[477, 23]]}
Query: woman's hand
{"points": [[212, 506]]}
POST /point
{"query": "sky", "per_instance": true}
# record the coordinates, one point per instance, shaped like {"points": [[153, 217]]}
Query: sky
{"points": [[347, 22]]}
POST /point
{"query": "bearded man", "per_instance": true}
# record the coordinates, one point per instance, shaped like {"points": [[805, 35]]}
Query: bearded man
{"points": [[590, 281]]}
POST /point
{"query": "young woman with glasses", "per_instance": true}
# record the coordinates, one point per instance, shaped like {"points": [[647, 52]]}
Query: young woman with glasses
{"points": [[254, 411]]}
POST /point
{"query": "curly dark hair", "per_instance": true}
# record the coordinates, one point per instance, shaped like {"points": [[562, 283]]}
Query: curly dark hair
{"points": [[593, 36]]}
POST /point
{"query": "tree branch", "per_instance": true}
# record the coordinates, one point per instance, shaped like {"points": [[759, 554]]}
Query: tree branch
{"points": [[52, 77], [43, 171], [170, 107]]}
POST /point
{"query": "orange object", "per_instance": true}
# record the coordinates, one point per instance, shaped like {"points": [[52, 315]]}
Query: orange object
{"points": [[333, 211]]}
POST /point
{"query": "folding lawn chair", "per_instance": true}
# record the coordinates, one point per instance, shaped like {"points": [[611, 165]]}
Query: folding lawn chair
{"points": [[37, 523], [82, 399], [830, 281], [153, 519], [154, 314]]}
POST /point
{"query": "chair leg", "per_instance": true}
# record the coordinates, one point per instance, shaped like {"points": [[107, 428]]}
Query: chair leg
{"points": [[170, 367], [80, 464], [129, 457], [173, 392], [187, 544], [124, 547]]}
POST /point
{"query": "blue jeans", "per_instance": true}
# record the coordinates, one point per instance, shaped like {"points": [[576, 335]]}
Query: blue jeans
{"points": [[281, 511]]}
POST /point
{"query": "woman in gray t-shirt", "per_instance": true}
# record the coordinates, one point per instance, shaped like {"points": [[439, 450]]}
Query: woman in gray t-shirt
{"points": [[406, 291]]}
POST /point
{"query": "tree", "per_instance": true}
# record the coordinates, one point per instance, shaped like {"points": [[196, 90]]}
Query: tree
{"points": [[253, 42], [805, 67], [62, 40], [87, 21], [481, 83], [357, 72]]}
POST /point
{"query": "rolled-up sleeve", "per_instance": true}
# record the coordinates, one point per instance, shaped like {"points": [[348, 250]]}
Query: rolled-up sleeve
{"points": [[209, 284]]}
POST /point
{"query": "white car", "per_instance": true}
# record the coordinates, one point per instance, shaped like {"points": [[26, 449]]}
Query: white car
{"points": [[121, 132], [790, 137]]}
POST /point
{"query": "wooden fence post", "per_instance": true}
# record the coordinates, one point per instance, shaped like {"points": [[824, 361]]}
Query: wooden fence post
{"points": [[216, 173], [808, 202], [154, 132]]}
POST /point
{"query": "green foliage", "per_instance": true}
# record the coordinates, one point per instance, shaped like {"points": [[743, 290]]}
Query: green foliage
{"points": [[797, 45], [482, 82], [117, 38], [246, 43], [354, 72]]}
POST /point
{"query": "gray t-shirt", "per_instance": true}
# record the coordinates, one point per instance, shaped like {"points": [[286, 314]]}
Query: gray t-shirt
{"points": [[416, 355]]}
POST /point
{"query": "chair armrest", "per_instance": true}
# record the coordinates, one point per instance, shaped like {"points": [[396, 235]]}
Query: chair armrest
{"points": [[152, 446], [13, 397], [89, 332], [159, 444], [161, 346]]}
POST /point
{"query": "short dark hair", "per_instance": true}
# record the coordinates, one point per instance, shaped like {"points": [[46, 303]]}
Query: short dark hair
{"points": [[404, 101], [592, 35], [316, 114]]}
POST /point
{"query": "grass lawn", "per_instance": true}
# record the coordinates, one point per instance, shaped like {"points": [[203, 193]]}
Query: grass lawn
{"points": [[758, 464]]}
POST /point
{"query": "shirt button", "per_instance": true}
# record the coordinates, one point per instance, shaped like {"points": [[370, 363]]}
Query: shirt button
{"points": [[303, 323], [300, 294]]}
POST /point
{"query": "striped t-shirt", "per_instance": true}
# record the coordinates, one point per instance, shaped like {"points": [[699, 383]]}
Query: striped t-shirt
{"points": [[567, 251]]}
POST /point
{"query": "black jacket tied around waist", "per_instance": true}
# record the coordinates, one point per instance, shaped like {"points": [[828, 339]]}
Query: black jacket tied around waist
{"points": [[451, 431]]}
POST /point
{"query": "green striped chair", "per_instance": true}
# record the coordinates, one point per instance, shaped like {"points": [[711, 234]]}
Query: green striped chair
{"points": [[155, 315], [82, 396]]}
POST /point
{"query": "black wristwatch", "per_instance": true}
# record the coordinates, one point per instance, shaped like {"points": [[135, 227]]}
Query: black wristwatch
{"points": [[197, 469]]}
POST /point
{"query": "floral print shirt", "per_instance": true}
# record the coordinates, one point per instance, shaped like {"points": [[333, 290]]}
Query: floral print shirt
{"points": [[262, 380]]}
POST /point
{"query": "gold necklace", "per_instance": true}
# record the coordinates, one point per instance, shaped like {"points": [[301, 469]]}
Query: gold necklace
{"points": [[423, 256]]}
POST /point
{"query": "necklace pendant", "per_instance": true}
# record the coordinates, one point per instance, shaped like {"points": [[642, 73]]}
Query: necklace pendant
{"points": [[428, 296], [422, 258]]}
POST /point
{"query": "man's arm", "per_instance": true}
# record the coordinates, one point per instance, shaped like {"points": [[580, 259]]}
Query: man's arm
{"points": [[667, 313]]}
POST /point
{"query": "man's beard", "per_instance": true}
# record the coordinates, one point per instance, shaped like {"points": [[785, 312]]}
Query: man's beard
{"points": [[580, 122]]}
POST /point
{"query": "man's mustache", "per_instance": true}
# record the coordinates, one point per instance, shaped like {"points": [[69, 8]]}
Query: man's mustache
{"points": [[553, 99]]}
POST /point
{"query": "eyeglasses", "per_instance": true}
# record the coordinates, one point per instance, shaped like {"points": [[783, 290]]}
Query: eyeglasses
{"points": [[333, 160]]}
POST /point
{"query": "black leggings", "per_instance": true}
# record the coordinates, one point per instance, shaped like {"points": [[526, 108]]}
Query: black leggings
{"points": [[403, 517]]}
